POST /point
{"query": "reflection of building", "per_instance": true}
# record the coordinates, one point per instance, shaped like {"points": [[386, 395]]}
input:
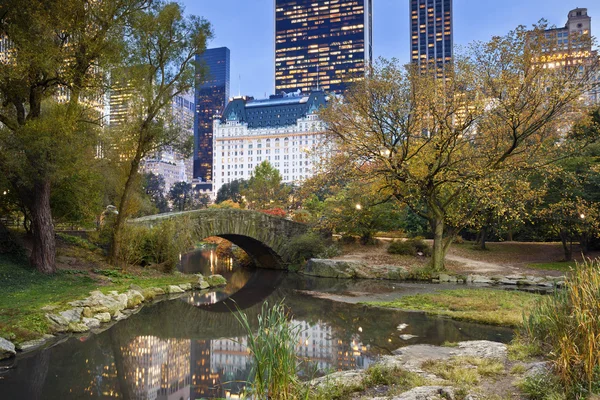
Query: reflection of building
{"points": [[321, 44], [158, 369], [283, 130], [431, 33], [211, 97]]}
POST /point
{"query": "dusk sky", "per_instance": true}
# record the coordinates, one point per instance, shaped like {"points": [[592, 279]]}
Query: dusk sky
{"points": [[247, 28]]}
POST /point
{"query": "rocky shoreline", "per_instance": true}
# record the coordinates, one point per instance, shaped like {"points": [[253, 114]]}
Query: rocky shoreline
{"points": [[100, 311], [350, 269], [418, 360]]}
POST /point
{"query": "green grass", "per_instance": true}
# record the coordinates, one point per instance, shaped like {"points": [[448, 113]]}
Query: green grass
{"points": [[487, 306], [25, 292], [563, 266]]}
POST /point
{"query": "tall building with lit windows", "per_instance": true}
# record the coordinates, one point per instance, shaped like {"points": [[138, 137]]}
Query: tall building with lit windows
{"points": [[431, 33], [211, 97], [322, 44]]}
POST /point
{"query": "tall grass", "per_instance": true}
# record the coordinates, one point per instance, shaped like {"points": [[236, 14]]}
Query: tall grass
{"points": [[566, 326], [274, 373]]}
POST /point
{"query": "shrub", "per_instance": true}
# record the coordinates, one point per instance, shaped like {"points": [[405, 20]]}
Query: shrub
{"points": [[77, 241], [409, 247], [301, 216], [275, 212], [566, 325], [347, 239], [303, 247]]}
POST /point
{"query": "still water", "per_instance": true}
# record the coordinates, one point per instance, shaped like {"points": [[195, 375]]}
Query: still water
{"points": [[193, 347]]}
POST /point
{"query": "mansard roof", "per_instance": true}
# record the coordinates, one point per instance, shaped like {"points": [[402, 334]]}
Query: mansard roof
{"points": [[276, 111]]}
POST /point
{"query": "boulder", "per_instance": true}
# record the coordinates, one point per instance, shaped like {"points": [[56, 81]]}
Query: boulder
{"points": [[506, 281], [103, 317], [407, 337], [342, 379], [134, 298], [447, 278], [483, 349], [428, 393], [332, 268], [172, 289], [119, 316], [98, 302], [202, 284], [216, 280], [7, 349], [479, 279], [78, 327], [91, 322], [186, 286], [151, 293], [72, 315]]}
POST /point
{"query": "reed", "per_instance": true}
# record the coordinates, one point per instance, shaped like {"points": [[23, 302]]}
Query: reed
{"points": [[274, 373], [566, 326]]}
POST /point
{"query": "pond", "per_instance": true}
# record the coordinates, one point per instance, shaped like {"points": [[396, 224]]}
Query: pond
{"points": [[193, 347]]}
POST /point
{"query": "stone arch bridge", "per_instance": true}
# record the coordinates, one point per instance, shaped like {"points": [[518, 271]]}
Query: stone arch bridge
{"points": [[262, 236]]}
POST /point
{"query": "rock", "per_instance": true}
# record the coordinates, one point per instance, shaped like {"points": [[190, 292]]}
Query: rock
{"points": [[91, 322], [505, 281], [536, 368], [98, 302], [49, 308], [32, 344], [103, 317], [407, 337], [57, 322], [77, 327], [427, 393], [72, 315], [119, 316], [186, 286], [134, 298], [172, 289], [151, 293], [447, 278], [483, 349], [202, 284], [133, 286], [7, 349], [331, 268], [216, 280], [479, 279], [515, 277], [402, 327], [342, 379]]}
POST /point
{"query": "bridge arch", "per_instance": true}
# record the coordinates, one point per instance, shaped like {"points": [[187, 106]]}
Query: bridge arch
{"points": [[262, 236]]}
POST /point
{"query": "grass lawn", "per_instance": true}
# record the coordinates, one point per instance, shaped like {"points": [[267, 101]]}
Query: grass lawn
{"points": [[487, 306], [564, 266], [24, 292]]}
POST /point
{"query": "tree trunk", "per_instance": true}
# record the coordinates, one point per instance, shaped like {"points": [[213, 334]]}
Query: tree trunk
{"points": [[43, 252], [566, 247], [438, 253], [121, 216], [509, 235], [482, 238]]}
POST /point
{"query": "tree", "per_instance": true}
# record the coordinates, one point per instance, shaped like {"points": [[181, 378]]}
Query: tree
{"points": [[437, 144], [264, 189], [154, 186], [55, 50], [231, 191], [161, 45], [181, 196]]}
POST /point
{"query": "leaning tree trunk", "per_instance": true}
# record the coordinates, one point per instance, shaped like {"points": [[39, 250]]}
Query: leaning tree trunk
{"points": [[122, 216], [43, 252]]}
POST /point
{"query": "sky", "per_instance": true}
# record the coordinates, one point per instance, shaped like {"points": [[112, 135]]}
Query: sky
{"points": [[247, 27]]}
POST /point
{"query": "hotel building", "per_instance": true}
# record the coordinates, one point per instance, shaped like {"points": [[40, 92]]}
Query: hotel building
{"points": [[323, 44], [284, 130]]}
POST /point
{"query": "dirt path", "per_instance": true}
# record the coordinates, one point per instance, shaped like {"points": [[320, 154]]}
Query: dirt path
{"points": [[482, 267]]}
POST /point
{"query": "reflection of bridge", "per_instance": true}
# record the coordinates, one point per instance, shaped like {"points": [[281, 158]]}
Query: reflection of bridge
{"points": [[262, 236]]}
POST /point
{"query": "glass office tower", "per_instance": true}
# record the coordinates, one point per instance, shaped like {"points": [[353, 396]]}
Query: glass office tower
{"points": [[211, 97], [431, 33], [322, 44]]}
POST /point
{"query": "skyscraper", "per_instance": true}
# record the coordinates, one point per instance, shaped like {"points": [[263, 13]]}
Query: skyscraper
{"points": [[211, 97], [431, 32], [322, 44]]}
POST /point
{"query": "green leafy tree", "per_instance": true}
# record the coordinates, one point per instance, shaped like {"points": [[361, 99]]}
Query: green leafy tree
{"points": [[56, 49], [264, 189], [231, 191], [159, 66], [181, 196]]}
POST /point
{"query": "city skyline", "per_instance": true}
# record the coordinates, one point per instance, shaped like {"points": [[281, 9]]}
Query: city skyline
{"points": [[249, 31]]}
